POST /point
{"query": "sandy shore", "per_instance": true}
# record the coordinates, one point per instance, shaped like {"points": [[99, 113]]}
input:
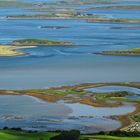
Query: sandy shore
{"points": [[7, 50]]}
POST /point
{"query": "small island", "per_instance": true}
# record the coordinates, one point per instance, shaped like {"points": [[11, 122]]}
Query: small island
{"points": [[128, 7], [11, 49], [114, 20], [129, 52], [40, 42], [65, 15], [53, 27]]}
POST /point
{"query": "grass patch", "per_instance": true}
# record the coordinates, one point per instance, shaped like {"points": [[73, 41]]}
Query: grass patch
{"points": [[21, 135], [105, 137]]}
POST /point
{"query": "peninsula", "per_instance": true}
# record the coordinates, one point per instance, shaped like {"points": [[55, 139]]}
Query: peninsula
{"points": [[11, 49]]}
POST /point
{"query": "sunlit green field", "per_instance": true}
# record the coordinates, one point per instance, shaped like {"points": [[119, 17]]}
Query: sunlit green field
{"points": [[19, 135], [103, 137], [22, 135]]}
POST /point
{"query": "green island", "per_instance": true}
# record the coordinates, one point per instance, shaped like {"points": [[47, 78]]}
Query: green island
{"points": [[11, 50], [115, 20], [131, 7], [83, 16], [15, 4], [60, 15], [129, 52], [82, 2], [28, 5], [125, 27], [40, 42]]}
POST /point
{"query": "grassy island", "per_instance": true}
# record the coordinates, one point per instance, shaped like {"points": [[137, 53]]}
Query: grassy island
{"points": [[11, 50], [131, 7], [40, 42], [129, 52], [64, 15], [82, 16], [115, 20], [14, 4]]}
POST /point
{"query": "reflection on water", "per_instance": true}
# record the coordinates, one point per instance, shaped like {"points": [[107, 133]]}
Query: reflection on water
{"points": [[40, 115], [114, 88], [55, 66]]}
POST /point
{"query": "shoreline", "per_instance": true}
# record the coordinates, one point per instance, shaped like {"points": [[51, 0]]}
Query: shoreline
{"points": [[128, 52], [10, 50], [90, 20], [44, 95]]}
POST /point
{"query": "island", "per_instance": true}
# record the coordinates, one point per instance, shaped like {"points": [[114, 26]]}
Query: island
{"points": [[15, 4], [53, 27], [92, 18], [128, 7], [114, 20], [40, 42], [11, 49], [129, 52], [64, 15]]}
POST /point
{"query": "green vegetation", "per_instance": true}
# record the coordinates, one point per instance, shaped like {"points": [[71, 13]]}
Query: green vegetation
{"points": [[115, 20], [11, 134], [82, 2], [23, 135], [38, 42], [14, 4], [114, 135], [80, 92], [129, 52], [120, 95], [60, 92], [136, 118], [131, 7], [105, 137], [71, 135], [64, 15]]}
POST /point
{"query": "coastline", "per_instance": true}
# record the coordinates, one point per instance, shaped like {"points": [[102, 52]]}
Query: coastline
{"points": [[9, 50], [90, 20], [44, 95], [129, 52]]}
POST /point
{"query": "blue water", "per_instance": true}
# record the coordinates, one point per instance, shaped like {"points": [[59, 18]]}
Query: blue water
{"points": [[114, 89], [42, 116], [134, 14], [48, 66], [55, 66]]}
